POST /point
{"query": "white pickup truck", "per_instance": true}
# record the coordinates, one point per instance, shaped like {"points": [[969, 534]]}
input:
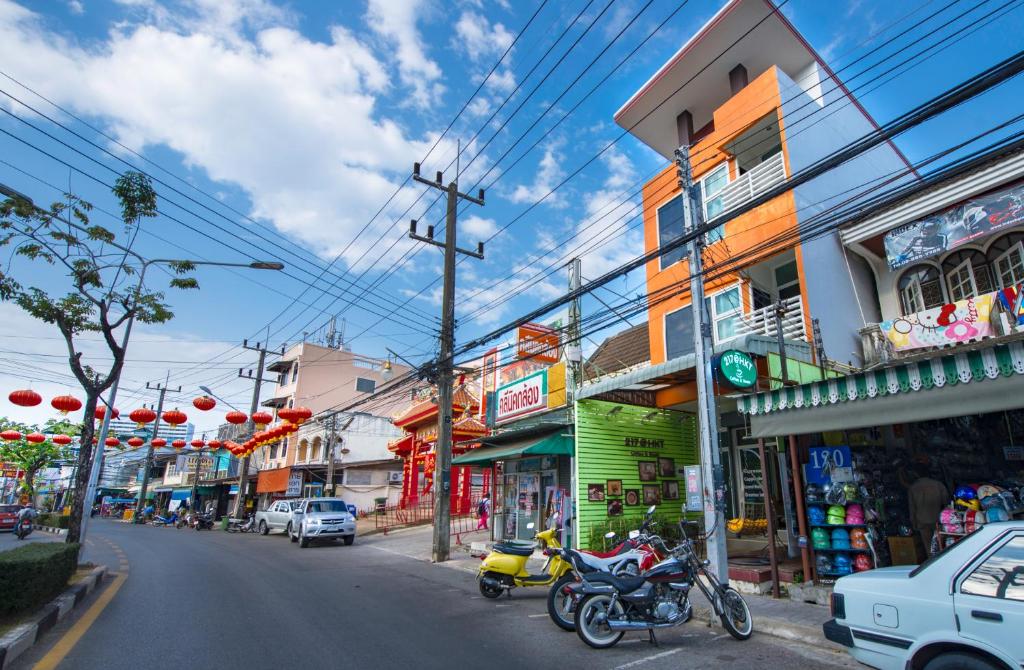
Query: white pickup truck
{"points": [[278, 516], [963, 609]]}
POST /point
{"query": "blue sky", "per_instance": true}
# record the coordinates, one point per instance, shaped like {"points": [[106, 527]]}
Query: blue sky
{"points": [[293, 123]]}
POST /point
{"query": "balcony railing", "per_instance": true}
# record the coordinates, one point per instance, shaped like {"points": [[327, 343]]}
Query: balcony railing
{"points": [[762, 321], [754, 182]]}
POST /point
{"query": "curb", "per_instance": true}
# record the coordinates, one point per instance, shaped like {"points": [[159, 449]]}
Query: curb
{"points": [[21, 638], [776, 628], [51, 529]]}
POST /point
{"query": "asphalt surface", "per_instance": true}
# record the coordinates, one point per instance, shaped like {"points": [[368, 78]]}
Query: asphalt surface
{"points": [[213, 599]]}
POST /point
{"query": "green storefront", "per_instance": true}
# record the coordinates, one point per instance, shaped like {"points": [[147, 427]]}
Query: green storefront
{"points": [[627, 458]]}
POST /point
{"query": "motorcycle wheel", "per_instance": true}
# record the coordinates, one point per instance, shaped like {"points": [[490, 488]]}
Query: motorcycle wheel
{"points": [[561, 607], [486, 591], [735, 614], [591, 621]]}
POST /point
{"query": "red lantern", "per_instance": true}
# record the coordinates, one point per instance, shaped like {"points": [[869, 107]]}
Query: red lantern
{"points": [[304, 414], [236, 417], [25, 398], [10, 435], [66, 403], [287, 414], [159, 442], [142, 416], [214, 444], [101, 411], [261, 419], [62, 440], [204, 403], [112, 442], [198, 444], [136, 441], [174, 417], [178, 444], [35, 438]]}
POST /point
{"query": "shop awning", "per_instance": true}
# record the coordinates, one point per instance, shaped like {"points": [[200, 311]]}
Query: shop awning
{"points": [[555, 444], [273, 481], [985, 380]]}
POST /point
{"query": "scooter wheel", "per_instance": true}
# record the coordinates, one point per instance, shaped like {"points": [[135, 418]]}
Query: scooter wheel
{"points": [[487, 590]]}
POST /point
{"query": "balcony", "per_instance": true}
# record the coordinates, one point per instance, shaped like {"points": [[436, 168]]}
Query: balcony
{"points": [[763, 321], [753, 182]]}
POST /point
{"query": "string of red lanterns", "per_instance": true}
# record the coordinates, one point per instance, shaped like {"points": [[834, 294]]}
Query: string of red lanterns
{"points": [[204, 403]]}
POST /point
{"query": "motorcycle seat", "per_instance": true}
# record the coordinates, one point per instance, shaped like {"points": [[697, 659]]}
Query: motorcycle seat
{"points": [[513, 549], [623, 585]]}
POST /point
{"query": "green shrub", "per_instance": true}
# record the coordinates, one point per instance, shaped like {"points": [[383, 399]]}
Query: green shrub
{"points": [[53, 520], [33, 574], [665, 525]]}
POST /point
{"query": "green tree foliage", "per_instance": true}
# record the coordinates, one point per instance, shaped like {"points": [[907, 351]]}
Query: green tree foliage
{"points": [[105, 291], [27, 456]]}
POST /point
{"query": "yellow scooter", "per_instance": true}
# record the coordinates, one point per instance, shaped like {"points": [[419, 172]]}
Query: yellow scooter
{"points": [[505, 567]]}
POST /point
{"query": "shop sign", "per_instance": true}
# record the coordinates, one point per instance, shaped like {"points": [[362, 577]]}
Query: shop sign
{"points": [[950, 228], [737, 368], [294, 484], [694, 496], [825, 462], [520, 398], [537, 342]]}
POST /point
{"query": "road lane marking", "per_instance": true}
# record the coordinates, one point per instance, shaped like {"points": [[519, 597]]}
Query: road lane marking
{"points": [[646, 659], [535, 616], [55, 656]]}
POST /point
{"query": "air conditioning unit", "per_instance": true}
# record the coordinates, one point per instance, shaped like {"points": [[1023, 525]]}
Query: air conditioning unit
{"points": [[395, 477]]}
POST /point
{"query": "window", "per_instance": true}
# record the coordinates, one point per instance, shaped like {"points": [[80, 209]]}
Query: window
{"points": [[1001, 575], [316, 449], [284, 447], [364, 385], [303, 447], [711, 186], [920, 289], [967, 275], [678, 333], [327, 506], [1009, 266], [367, 364], [670, 227], [358, 477], [726, 313], [787, 281], [295, 371], [273, 451]]}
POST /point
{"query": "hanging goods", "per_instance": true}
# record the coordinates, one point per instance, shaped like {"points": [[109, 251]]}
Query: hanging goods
{"points": [[965, 493], [819, 539], [842, 564], [840, 539], [997, 514], [814, 494], [854, 514], [951, 521], [851, 492], [971, 505], [816, 515], [861, 563], [858, 539], [824, 565], [836, 515], [835, 495]]}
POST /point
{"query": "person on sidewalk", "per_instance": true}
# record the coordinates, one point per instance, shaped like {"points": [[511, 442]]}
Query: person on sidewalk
{"points": [[483, 510], [927, 498]]}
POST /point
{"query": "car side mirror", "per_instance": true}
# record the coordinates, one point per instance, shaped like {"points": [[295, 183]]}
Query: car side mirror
{"points": [[633, 534], [352, 510]]}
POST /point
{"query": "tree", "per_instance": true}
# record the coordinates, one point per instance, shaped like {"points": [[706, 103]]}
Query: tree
{"points": [[105, 294], [27, 456]]}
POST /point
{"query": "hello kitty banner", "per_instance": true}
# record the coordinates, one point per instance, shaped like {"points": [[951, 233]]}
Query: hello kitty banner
{"points": [[951, 324]]}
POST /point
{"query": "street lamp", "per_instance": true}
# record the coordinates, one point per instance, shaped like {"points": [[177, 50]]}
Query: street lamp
{"points": [[207, 391]]}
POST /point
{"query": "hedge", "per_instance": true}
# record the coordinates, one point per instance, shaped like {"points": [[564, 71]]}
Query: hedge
{"points": [[34, 574], [53, 520]]}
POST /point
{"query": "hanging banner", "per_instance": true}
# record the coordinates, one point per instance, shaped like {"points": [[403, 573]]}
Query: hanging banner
{"points": [[1012, 300], [952, 227], [523, 397], [955, 323], [537, 342]]}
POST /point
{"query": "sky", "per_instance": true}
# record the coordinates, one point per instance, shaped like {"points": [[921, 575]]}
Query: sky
{"points": [[287, 130]]}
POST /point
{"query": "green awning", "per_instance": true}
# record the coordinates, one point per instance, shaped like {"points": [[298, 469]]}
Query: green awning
{"points": [[979, 381], [555, 444]]}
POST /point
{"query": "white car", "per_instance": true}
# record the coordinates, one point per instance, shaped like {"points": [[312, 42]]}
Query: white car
{"points": [[322, 519], [278, 516], [962, 609]]}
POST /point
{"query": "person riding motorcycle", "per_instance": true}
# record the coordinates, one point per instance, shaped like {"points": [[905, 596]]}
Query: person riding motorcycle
{"points": [[26, 513]]}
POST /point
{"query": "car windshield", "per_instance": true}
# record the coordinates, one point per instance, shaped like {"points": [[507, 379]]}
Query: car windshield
{"points": [[8, 509], [931, 561], [328, 506]]}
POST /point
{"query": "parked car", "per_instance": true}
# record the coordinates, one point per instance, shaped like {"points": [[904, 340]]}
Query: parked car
{"points": [[8, 516], [276, 517], [322, 519], [961, 609]]}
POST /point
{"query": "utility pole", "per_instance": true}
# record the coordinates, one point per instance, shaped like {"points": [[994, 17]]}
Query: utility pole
{"points": [[195, 479], [331, 444], [162, 389], [707, 411], [780, 312], [243, 468], [573, 351], [444, 373]]}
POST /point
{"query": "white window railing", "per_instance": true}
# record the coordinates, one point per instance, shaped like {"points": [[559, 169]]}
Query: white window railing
{"points": [[762, 321], [756, 181]]}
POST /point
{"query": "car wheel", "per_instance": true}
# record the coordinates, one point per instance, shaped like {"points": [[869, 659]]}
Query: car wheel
{"points": [[348, 540], [959, 661], [263, 528], [303, 540], [288, 531]]}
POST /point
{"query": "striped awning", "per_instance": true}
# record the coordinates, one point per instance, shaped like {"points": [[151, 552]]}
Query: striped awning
{"points": [[1003, 360]]}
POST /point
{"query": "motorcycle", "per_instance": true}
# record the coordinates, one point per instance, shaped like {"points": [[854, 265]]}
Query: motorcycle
{"points": [[637, 554], [204, 521], [171, 520], [24, 529], [505, 567], [659, 598], [240, 526]]}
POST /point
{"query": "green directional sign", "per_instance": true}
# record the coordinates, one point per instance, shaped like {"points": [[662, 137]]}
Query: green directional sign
{"points": [[737, 368]]}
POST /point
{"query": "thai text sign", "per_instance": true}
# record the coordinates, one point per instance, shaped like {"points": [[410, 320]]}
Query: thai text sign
{"points": [[955, 323], [952, 227], [537, 342], [522, 397]]}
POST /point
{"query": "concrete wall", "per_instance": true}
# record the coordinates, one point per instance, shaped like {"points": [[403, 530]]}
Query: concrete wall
{"points": [[838, 291]]}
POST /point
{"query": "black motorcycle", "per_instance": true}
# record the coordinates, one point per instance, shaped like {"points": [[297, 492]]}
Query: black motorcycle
{"points": [[204, 521], [240, 526], [659, 598]]}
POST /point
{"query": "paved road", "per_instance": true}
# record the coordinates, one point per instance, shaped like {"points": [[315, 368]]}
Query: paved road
{"points": [[213, 599]]}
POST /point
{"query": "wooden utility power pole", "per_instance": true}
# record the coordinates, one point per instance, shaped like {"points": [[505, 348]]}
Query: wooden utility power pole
{"points": [[444, 368], [162, 389], [243, 469]]}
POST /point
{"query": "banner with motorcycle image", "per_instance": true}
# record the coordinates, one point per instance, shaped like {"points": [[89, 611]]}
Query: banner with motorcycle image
{"points": [[946, 230]]}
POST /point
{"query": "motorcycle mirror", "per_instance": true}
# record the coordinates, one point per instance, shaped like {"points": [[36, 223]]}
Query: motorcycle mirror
{"points": [[530, 526], [650, 510], [609, 535], [633, 534]]}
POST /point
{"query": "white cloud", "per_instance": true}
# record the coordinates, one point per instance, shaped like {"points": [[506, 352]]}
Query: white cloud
{"points": [[475, 35], [549, 174], [610, 212], [502, 81], [293, 122], [76, 7], [395, 21], [477, 227], [480, 106]]}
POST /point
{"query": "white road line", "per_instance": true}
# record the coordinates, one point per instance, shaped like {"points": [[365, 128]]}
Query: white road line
{"points": [[647, 659], [535, 616]]}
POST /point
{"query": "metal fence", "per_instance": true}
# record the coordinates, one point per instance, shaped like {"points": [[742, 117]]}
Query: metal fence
{"points": [[463, 515]]}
